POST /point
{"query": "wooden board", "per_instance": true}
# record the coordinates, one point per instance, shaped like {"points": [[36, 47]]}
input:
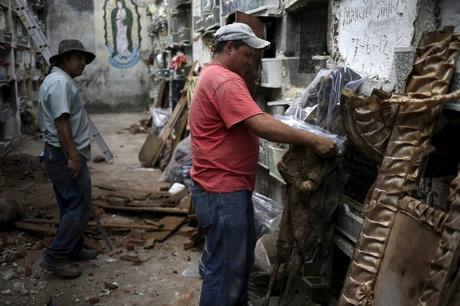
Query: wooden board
{"points": [[171, 224], [35, 227], [168, 210], [131, 194], [151, 149], [151, 227], [153, 145]]}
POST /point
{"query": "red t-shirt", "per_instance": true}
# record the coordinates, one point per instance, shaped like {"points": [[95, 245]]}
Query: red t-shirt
{"points": [[224, 151]]}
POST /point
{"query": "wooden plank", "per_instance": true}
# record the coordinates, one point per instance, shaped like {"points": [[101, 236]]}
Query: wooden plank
{"points": [[176, 197], [106, 187], [168, 210], [104, 224], [131, 194], [153, 145], [162, 94], [35, 227], [150, 149], [150, 203], [185, 203], [172, 224], [149, 243]]}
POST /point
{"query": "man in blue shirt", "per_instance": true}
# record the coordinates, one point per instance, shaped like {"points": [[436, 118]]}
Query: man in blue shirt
{"points": [[64, 122]]}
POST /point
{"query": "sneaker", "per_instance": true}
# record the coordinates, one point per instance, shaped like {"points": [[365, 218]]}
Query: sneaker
{"points": [[61, 268], [86, 254]]}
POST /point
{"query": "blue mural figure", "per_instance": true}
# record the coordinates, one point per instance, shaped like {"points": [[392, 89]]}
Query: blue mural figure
{"points": [[122, 32], [122, 23]]}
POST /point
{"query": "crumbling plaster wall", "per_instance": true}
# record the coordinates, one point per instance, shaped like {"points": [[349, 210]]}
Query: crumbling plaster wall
{"points": [[368, 33], [103, 86], [200, 51], [378, 37], [450, 15]]}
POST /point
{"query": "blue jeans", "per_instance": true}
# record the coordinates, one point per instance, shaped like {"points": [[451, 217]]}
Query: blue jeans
{"points": [[228, 255], [73, 197]]}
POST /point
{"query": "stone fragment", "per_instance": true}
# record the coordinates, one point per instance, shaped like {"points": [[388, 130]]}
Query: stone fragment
{"points": [[38, 246], [28, 271], [42, 285], [24, 291], [93, 300], [8, 275], [18, 286], [111, 286]]}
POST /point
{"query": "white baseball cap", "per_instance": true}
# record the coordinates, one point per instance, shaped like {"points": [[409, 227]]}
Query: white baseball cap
{"points": [[240, 31]]}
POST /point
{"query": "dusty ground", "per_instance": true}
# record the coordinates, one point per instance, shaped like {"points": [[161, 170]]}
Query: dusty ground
{"points": [[157, 281]]}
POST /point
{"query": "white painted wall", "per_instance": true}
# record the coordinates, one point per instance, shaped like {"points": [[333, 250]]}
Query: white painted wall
{"points": [[369, 31]]}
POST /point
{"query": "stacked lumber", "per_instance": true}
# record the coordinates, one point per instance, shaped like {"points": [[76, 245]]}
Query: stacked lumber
{"points": [[161, 147], [155, 214]]}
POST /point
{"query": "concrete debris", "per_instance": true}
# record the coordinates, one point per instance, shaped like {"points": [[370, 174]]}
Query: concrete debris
{"points": [[10, 210], [185, 298], [111, 259], [134, 259], [104, 292], [18, 286], [8, 275], [93, 300], [27, 271], [42, 285], [111, 286], [149, 243], [115, 252], [98, 159]]}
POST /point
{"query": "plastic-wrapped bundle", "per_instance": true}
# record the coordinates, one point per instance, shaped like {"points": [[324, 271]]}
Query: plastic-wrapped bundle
{"points": [[160, 117], [295, 123], [267, 214], [178, 169], [320, 100]]}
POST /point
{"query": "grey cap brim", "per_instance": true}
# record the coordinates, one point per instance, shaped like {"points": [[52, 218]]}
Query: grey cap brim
{"points": [[256, 43]]}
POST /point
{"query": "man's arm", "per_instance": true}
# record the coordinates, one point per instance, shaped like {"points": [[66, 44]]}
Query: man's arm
{"points": [[67, 143], [265, 126]]}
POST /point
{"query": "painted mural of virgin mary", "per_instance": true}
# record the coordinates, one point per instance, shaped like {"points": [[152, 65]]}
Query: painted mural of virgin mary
{"points": [[122, 23]]}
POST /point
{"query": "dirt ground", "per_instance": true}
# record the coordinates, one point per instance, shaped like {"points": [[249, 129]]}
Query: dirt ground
{"points": [[167, 274]]}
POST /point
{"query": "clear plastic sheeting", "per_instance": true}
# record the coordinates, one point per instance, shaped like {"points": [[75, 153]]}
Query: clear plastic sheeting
{"points": [[320, 100], [178, 169], [267, 214], [160, 117], [298, 124], [265, 253]]}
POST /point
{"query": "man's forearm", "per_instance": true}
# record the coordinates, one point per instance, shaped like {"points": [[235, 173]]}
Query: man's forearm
{"points": [[65, 137], [276, 131]]}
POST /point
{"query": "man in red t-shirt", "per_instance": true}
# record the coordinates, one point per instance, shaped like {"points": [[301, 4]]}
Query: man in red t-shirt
{"points": [[225, 125]]}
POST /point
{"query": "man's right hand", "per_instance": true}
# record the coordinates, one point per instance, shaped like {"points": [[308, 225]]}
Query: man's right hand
{"points": [[74, 165], [325, 147]]}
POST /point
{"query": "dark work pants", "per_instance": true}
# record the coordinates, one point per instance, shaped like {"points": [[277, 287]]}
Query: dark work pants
{"points": [[73, 197], [228, 255]]}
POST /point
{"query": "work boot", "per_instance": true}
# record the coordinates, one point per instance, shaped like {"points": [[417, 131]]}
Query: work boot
{"points": [[86, 254], [61, 268]]}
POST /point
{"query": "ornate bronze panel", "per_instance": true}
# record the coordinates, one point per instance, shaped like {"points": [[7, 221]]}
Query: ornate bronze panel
{"points": [[407, 251]]}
